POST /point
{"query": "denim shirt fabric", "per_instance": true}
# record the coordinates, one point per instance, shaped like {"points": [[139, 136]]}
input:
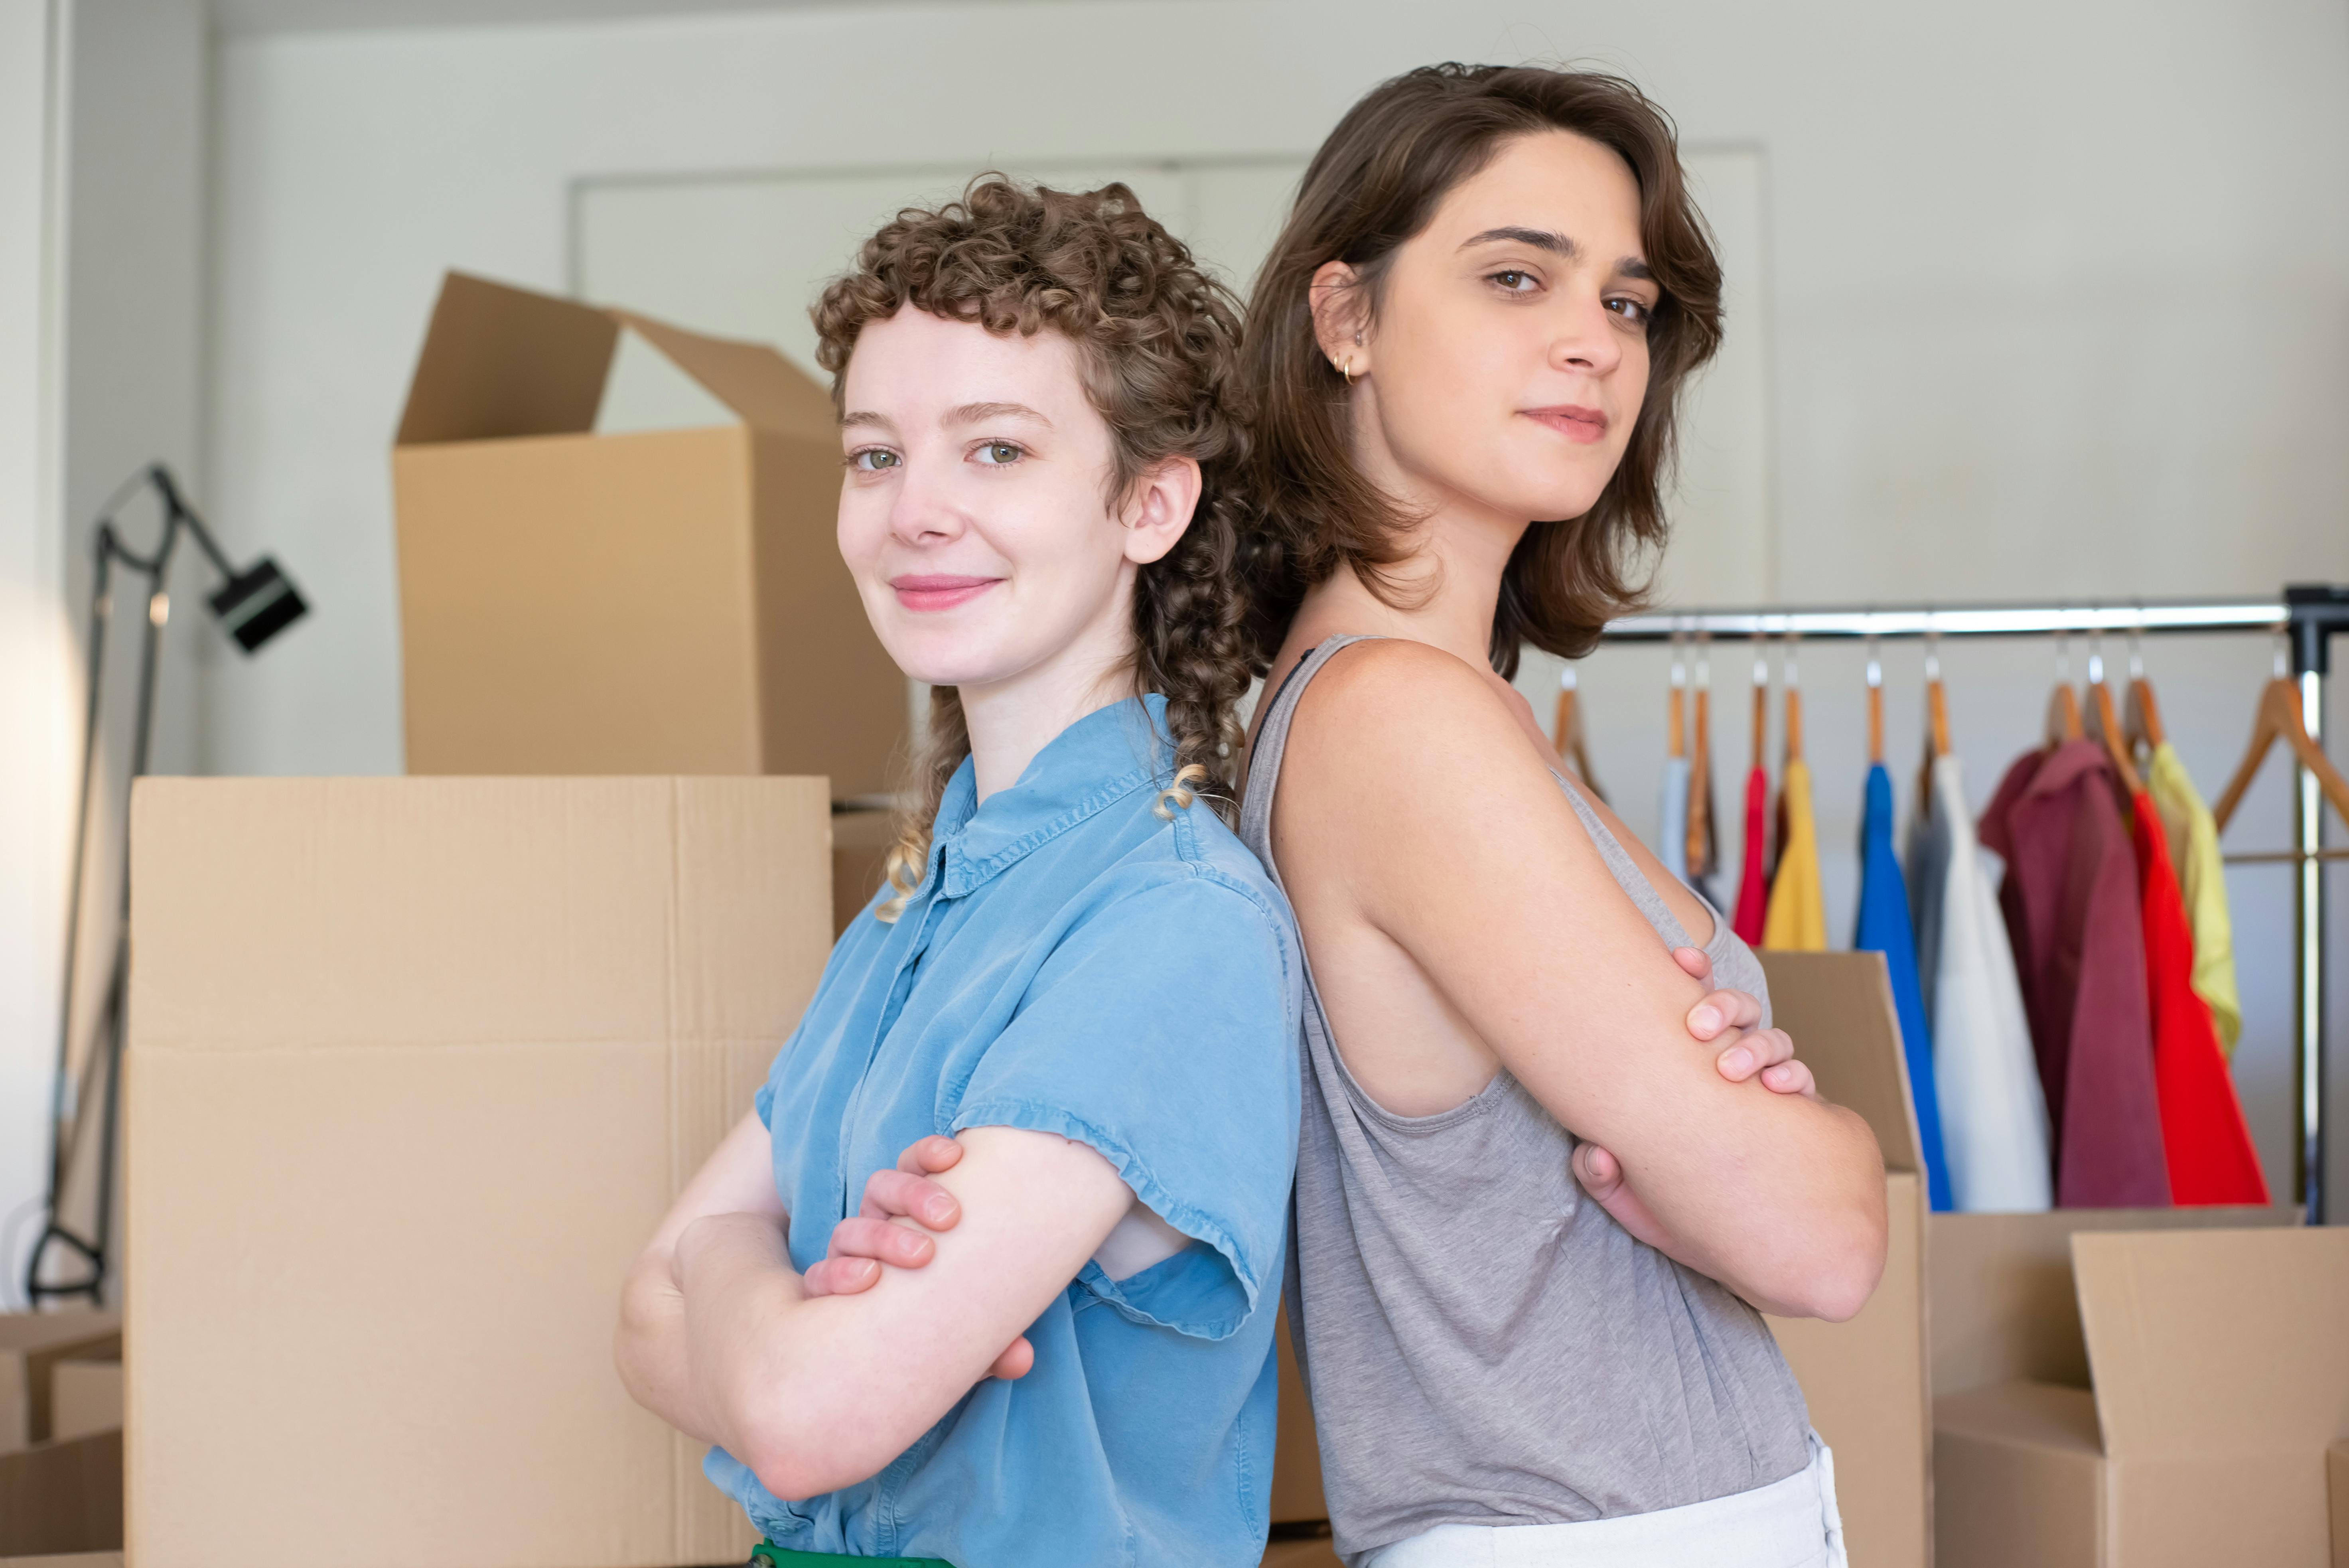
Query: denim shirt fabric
{"points": [[1072, 964]]}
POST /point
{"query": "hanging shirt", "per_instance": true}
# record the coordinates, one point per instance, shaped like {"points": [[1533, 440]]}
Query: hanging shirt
{"points": [[1072, 964], [2211, 1157], [1674, 849], [1751, 897], [2073, 913], [2202, 881], [1993, 1116], [1797, 917], [1884, 928]]}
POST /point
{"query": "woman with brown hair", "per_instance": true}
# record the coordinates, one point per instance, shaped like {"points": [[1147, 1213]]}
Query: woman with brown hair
{"points": [[1076, 968], [1533, 1226]]}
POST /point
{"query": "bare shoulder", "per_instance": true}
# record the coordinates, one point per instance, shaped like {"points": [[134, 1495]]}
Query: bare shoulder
{"points": [[1382, 700]]}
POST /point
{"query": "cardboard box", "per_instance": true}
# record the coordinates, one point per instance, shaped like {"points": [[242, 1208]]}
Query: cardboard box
{"points": [[61, 1497], [415, 1066], [659, 602], [1865, 1379], [85, 1396], [2220, 1374], [2003, 1308], [31, 1345], [2336, 1478], [1296, 1449], [860, 841], [70, 1560]]}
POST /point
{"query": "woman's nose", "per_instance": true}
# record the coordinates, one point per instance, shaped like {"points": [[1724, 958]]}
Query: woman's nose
{"points": [[923, 511], [1587, 339]]}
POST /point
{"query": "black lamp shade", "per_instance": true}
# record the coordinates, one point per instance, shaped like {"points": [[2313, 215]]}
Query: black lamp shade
{"points": [[257, 603]]}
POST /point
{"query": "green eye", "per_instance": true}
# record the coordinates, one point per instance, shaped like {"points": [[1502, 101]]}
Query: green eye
{"points": [[996, 453], [872, 459]]}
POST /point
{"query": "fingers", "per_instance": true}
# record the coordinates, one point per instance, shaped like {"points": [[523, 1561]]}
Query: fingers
{"points": [[860, 1237], [1598, 1171], [841, 1276], [918, 1198], [1790, 1077], [1752, 1053], [1724, 1010], [1693, 960], [929, 1156], [1017, 1359]]}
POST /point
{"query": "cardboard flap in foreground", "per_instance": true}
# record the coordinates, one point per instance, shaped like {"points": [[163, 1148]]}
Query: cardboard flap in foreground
{"points": [[2213, 1342], [758, 383], [1838, 1008], [500, 361]]}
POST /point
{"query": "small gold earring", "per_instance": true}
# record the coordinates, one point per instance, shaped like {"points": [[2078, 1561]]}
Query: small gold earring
{"points": [[1348, 369]]}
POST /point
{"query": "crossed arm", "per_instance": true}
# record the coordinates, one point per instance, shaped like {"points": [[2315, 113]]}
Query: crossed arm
{"points": [[1419, 797], [723, 1339]]}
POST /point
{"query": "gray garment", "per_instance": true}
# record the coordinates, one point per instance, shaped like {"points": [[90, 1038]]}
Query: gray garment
{"points": [[1484, 1344]]}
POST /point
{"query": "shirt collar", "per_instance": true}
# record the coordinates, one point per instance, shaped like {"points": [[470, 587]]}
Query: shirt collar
{"points": [[1095, 762]]}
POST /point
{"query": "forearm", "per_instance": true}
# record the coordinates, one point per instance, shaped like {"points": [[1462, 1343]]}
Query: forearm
{"points": [[1779, 1198], [650, 1348]]}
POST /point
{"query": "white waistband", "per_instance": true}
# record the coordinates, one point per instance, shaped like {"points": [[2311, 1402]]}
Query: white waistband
{"points": [[1790, 1523]]}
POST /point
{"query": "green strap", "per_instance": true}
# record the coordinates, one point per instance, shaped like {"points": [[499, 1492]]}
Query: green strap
{"points": [[774, 1556]]}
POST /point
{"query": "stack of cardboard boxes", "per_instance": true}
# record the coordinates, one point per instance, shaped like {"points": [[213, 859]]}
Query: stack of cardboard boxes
{"points": [[60, 1432]]}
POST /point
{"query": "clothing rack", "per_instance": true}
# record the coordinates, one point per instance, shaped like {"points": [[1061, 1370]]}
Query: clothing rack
{"points": [[2307, 616]]}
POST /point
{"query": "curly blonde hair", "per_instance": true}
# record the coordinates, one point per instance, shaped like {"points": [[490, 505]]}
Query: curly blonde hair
{"points": [[1158, 346]]}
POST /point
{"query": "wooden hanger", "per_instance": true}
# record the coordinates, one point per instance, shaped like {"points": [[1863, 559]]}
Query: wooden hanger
{"points": [[1700, 812], [1794, 707], [2279, 717], [2107, 729], [1937, 723], [1571, 750], [1676, 710], [2141, 719], [1761, 701], [2062, 703], [1875, 706]]}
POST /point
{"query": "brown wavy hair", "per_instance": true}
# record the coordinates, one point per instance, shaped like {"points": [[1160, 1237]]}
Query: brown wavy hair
{"points": [[1158, 346], [1376, 183]]}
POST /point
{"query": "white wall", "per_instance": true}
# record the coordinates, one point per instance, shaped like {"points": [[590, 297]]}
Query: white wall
{"points": [[36, 698]]}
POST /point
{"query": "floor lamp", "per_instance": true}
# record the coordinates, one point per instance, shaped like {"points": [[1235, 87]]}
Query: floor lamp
{"points": [[252, 606]]}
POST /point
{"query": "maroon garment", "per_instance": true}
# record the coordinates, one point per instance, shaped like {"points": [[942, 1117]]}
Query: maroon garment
{"points": [[2074, 916]]}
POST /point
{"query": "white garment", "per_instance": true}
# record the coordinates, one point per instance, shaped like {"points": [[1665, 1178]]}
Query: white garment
{"points": [[1993, 1112], [1673, 850], [1791, 1523]]}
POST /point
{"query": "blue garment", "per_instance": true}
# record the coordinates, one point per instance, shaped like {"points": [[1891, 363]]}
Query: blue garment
{"points": [[1072, 964], [1884, 928]]}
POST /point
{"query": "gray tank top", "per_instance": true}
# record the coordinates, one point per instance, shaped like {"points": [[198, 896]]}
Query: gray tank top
{"points": [[1484, 1344]]}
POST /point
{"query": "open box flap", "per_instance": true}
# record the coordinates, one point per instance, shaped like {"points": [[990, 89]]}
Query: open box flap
{"points": [[499, 362], [1838, 1008], [2209, 1342], [752, 379]]}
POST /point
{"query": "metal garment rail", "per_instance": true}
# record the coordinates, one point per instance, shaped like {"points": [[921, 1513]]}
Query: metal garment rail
{"points": [[2307, 616]]}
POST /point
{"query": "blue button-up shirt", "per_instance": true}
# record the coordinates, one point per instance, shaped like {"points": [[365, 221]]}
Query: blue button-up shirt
{"points": [[1073, 964]]}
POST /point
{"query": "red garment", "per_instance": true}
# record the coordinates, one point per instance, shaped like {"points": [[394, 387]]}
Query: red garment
{"points": [[2211, 1157], [2072, 911], [1753, 890]]}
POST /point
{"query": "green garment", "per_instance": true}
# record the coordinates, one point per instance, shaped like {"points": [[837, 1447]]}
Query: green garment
{"points": [[2194, 851], [767, 1554]]}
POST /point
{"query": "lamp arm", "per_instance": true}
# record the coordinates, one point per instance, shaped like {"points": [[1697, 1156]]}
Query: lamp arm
{"points": [[180, 513]]}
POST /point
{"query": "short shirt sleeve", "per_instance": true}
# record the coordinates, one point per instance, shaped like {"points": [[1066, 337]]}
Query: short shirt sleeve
{"points": [[1162, 1032]]}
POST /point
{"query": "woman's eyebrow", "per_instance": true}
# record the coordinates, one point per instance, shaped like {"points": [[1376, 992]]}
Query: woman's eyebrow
{"points": [[859, 417], [1540, 239], [973, 413]]}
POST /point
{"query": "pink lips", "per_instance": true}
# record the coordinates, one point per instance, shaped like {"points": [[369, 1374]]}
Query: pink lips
{"points": [[1572, 421], [939, 590]]}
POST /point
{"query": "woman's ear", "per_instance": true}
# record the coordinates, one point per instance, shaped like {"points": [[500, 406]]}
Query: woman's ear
{"points": [[1158, 508], [1341, 319]]}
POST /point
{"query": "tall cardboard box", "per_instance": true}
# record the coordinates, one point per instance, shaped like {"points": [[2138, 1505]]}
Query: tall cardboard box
{"points": [[2221, 1375], [415, 1066], [1865, 1379], [657, 602]]}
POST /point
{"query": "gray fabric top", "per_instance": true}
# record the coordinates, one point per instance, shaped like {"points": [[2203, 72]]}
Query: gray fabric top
{"points": [[1484, 1344]]}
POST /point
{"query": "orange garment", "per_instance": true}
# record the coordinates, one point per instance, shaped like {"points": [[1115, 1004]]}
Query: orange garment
{"points": [[1753, 891], [2211, 1157]]}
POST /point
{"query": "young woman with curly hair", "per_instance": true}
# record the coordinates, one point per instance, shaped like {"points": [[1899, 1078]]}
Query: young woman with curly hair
{"points": [[1533, 1225], [1075, 1002]]}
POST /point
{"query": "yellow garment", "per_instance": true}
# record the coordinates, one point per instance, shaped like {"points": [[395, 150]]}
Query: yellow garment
{"points": [[2203, 880], [1798, 915]]}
